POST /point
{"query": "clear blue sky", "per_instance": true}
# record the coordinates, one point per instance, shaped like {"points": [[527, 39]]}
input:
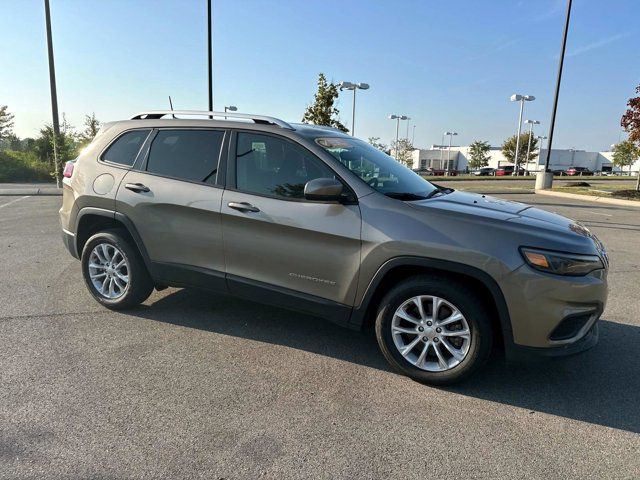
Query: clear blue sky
{"points": [[447, 64]]}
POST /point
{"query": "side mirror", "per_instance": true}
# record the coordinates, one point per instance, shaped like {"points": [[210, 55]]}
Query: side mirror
{"points": [[323, 190]]}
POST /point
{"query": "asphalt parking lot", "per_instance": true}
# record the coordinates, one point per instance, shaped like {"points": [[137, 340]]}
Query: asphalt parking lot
{"points": [[195, 385]]}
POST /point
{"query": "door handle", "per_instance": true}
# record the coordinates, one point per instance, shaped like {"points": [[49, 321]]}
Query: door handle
{"points": [[243, 207], [137, 187]]}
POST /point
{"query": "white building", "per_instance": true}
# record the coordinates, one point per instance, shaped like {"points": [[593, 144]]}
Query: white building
{"points": [[436, 158]]}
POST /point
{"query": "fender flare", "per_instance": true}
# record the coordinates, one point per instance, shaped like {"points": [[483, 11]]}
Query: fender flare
{"points": [[359, 312], [125, 221]]}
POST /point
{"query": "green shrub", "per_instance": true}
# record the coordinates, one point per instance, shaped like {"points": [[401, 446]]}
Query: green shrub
{"points": [[23, 167]]}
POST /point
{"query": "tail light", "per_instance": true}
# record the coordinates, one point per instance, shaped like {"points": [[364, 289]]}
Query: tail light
{"points": [[68, 169]]}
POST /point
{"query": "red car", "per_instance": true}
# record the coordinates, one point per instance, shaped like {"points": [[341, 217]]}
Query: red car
{"points": [[579, 171], [506, 170]]}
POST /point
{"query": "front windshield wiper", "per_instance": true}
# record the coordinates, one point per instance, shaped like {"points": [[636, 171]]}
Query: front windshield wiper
{"points": [[439, 190], [406, 196]]}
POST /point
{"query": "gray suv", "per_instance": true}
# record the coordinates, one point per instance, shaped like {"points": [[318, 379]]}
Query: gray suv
{"points": [[308, 218]]}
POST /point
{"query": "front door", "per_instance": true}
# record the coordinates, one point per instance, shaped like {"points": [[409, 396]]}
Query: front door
{"points": [[174, 203], [274, 238]]}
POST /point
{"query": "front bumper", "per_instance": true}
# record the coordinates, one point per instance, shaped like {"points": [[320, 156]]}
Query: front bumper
{"points": [[523, 353], [553, 315]]}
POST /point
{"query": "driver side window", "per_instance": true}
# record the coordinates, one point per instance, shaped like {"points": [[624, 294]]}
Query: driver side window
{"points": [[267, 165]]}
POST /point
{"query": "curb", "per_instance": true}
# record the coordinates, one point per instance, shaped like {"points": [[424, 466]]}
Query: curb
{"points": [[6, 192], [590, 198]]}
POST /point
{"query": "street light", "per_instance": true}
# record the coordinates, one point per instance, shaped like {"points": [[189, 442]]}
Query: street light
{"points": [[531, 124], [520, 98], [541, 138], [354, 87], [413, 137], [451, 134], [397, 118], [408, 118], [230, 108]]}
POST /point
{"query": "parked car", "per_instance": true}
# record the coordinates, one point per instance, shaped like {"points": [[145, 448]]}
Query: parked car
{"points": [[311, 219], [505, 170], [438, 172], [558, 172], [579, 171], [484, 171]]}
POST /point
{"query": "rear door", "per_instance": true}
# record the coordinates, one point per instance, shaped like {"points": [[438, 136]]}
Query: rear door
{"points": [[173, 198], [273, 237]]}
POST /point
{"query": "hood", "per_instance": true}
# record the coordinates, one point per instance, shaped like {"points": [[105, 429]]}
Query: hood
{"points": [[495, 208]]}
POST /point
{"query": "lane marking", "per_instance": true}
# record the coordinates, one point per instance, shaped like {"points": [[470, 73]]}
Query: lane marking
{"points": [[14, 201], [598, 213]]}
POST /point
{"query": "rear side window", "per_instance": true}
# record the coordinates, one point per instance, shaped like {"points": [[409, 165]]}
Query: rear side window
{"points": [[186, 154], [125, 149]]}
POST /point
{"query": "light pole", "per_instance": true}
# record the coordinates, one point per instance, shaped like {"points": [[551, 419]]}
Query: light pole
{"points": [[451, 134], [397, 118], [531, 124], [210, 55], [354, 87], [408, 118], [540, 138], [546, 179], [230, 108], [520, 98], [413, 136], [54, 95]]}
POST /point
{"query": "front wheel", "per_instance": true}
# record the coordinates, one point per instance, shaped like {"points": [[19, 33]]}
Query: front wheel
{"points": [[114, 272], [433, 329]]}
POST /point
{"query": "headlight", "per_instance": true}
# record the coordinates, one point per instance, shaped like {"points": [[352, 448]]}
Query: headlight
{"points": [[561, 263]]}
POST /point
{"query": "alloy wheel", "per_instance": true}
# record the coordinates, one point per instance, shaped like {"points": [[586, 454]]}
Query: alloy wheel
{"points": [[109, 271], [431, 333]]}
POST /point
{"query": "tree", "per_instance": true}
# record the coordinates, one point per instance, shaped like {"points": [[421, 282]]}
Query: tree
{"points": [[6, 122], [67, 145], [322, 112], [509, 148], [625, 154], [92, 125], [403, 151], [478, 154], [630, 121], [376, 143]]}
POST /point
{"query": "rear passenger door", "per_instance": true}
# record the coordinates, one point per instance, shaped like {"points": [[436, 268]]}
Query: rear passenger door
{"points": [[281, 242], [173, 197]]}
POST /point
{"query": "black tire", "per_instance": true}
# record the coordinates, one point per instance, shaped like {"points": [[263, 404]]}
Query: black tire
{"points": [[465, 299], [140, 284]]}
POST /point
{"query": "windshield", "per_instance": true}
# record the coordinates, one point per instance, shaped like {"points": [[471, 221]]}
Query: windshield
{"points": [[377, 169]]}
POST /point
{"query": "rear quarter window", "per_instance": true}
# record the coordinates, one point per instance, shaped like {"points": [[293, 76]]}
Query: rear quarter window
{"points": [[125, 148]]}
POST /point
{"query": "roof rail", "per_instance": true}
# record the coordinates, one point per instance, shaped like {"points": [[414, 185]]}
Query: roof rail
{"points": [[155, 114]]}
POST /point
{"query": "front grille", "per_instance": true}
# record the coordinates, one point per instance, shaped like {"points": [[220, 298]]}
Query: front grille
{"points": [[570, 326]]}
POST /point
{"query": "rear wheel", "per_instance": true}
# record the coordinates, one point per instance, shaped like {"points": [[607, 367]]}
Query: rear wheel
{"points": [[433, 329], [114, 272]]}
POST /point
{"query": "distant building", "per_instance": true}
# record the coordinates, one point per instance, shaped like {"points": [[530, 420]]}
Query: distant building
{"points": [[437, 156]]}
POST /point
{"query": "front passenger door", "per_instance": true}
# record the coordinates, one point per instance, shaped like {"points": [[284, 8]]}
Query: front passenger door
{"points": [[275, 238]]}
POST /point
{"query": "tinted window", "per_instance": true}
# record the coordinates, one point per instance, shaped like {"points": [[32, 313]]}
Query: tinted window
{"points": [[186, 154], [271, 166], [376, 168], [125, 149]]}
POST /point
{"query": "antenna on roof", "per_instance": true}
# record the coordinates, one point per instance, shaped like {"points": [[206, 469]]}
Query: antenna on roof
{"points": [[171, 105]]}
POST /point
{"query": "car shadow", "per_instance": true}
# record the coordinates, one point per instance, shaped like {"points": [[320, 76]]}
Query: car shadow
{"points": [[600, 386]]}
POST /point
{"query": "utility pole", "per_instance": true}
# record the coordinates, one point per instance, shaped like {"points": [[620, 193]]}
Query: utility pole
{"points": [[210, 55], [548, 179], [54, 95]]}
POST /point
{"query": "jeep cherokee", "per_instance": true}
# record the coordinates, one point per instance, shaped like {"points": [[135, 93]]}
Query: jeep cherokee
{"points": [[311, 219]]}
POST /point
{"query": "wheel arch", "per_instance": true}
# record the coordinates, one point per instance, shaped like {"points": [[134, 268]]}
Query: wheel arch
{"points": [[400, 268], [92, 220]]}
